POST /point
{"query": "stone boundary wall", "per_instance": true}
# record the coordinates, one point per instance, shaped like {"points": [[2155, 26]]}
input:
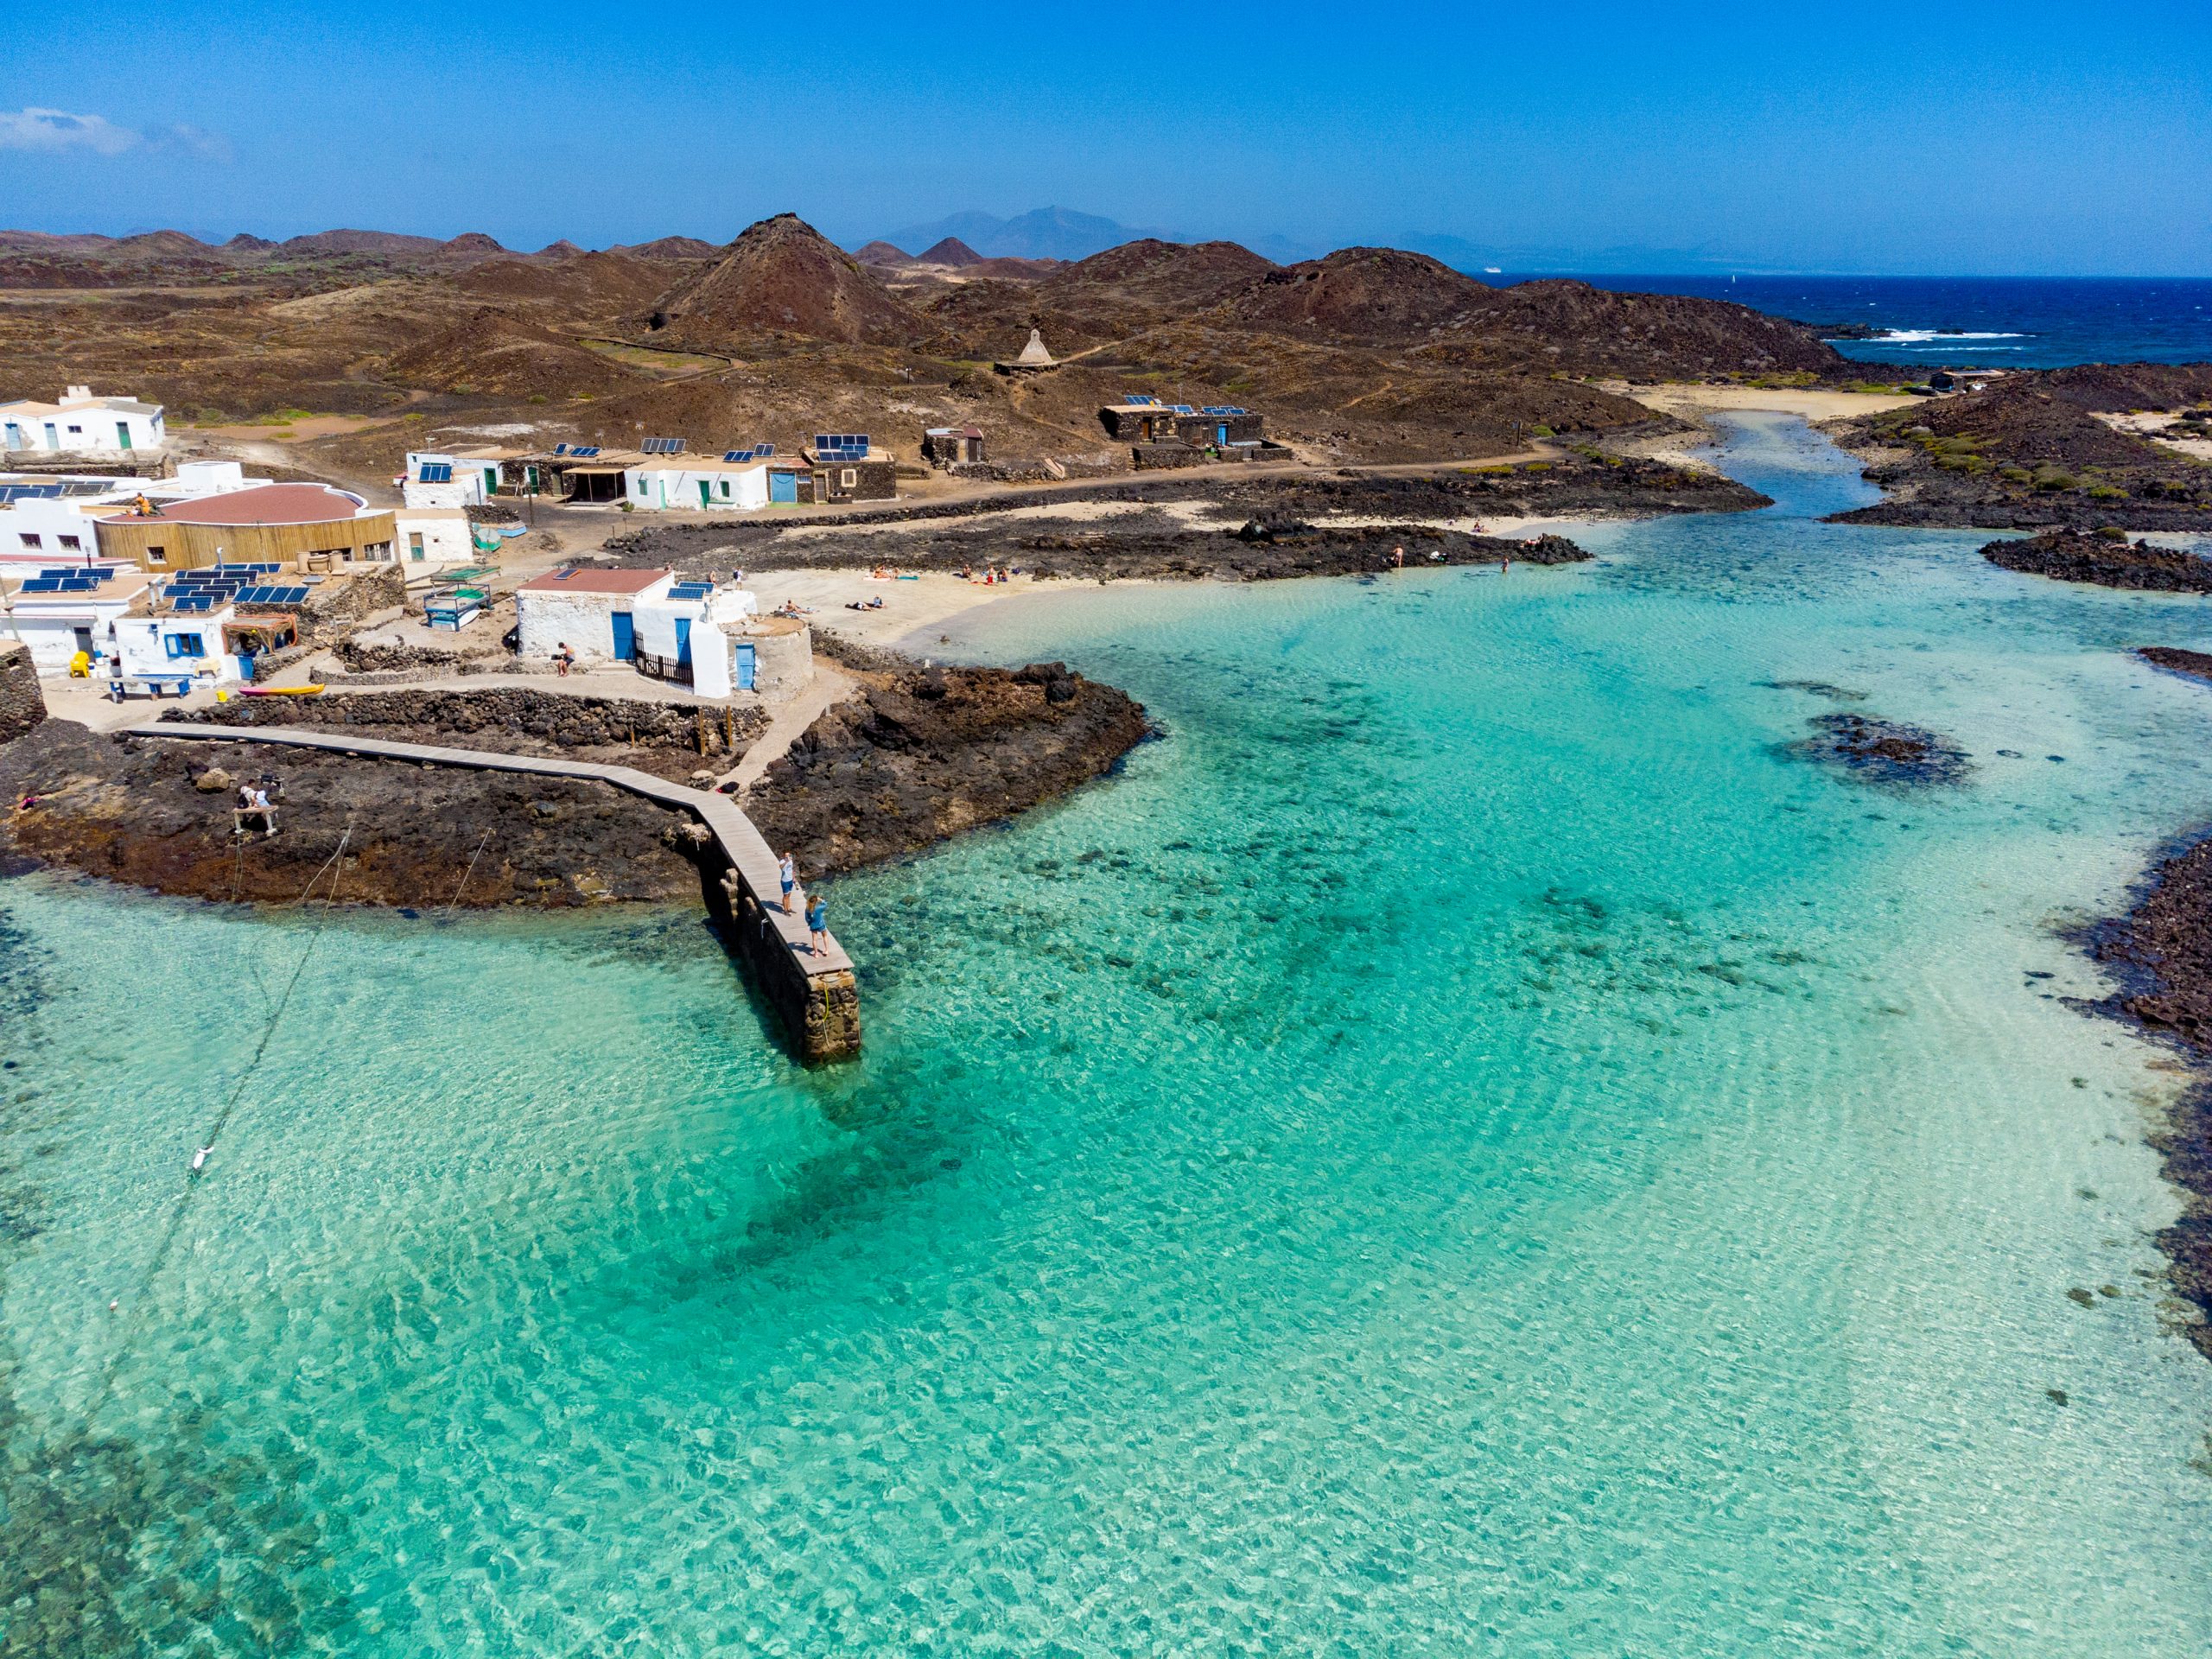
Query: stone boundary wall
{"points": [[504, 711], [23, 705]]}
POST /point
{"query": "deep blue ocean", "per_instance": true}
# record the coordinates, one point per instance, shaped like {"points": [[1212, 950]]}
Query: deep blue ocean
{"points": [[2010, 321]]}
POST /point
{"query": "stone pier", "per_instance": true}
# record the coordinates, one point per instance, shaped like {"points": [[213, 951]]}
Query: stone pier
{"points": [[815, 996]]}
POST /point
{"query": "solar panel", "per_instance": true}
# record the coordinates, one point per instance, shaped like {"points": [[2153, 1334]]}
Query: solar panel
{"points": [[437, 472], [586, 451], [767, 450], [42, 585], [560, 449]]}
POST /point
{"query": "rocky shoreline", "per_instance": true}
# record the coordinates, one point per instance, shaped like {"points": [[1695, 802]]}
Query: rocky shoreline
{"points": [[2163, 951], [2037, 450], [918, 756], [1250, 529], [2107, 559]]}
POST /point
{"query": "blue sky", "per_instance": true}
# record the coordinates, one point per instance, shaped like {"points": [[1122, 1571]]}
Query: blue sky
{"points": [[2025, 138]]}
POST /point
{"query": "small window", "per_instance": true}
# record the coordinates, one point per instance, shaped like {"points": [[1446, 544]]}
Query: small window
{"points": [[76, 431], [851, 478], [29, 540], [73, 544], [157, 556], [415, 545], [184, 645], [725, 489]]}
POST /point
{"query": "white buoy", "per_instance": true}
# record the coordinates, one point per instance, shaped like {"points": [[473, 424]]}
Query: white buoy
{"points": [[200, 1158]]}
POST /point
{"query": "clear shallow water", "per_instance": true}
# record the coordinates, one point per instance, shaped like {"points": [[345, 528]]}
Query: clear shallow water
{"points": [[1468, 1143]]}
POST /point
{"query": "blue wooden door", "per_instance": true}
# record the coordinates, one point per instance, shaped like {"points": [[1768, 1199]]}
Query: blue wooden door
{"points": [[626, 636], [682, 639], [742, 663]]}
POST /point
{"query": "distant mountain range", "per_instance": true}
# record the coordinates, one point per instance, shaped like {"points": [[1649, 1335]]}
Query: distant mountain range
{"points": [[1064, 233], [1040, 233]]}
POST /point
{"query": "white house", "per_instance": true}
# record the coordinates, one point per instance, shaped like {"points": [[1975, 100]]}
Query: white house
{"points": [[660, 482], [58, 617], [688, 627], [168, 646], [434, 478], [433, 536], [81, 424], [590, 610]]}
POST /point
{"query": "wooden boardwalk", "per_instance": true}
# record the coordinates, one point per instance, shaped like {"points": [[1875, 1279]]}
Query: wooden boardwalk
{"points": [[751, 861]]}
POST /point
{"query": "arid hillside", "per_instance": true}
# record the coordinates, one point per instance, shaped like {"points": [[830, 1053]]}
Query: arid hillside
{"points": [[1369, 355]]}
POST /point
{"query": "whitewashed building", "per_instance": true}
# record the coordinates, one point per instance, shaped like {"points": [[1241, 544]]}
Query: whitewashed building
{"points": [[684, 634], [433, 537], [434, 478], [82, 425], [590, 610], [58, 619], [658, 483], [175, 647]]}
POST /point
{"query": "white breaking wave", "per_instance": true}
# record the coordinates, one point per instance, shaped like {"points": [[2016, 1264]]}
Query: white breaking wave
{"points": [[1925, 336]]}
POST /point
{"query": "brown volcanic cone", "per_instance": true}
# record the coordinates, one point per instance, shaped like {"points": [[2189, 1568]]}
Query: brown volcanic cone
{"points": [[672, 247], [1358, 296], [1594, 330], [782, 277], [1160, 280], [950, 251], [879, 253]]}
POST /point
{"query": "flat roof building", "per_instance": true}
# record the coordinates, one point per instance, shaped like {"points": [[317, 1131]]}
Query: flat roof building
{"points": [[81, 424], [311, 526]]}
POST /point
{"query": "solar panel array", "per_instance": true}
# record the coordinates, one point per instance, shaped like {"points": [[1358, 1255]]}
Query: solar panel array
{"points": [[580, 452], [758, 452], [436, 472], [841, 446], [1181, 409], [28, 492], [659, 446], [1222, 409], [192, 591], [1140, 400], [692, 590], [72, 581]]}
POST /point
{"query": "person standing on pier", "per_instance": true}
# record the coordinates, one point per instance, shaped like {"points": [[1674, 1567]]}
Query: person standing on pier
{"points": [[787, 870], [818, 925]]}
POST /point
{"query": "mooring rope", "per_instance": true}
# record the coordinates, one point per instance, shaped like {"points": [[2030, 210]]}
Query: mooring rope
{"points": [[154, 1269]]}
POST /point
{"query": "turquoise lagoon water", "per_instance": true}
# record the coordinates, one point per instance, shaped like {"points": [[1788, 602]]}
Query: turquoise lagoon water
{"points": [[1467, 1146]]}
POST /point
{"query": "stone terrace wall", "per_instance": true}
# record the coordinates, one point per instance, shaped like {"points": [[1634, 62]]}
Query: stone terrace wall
{"points": [[23, 705], [563, 722]]}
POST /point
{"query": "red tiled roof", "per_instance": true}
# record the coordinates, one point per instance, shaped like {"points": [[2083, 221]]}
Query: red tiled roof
{"points": [[266, 503], [592, 582]]}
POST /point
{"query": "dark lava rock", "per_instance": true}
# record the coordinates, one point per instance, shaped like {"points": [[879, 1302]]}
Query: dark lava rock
{"points": [[2069, 555], [2164, 950], [130, 811], [1884, 752], [925, 754], [2195, 663]]}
